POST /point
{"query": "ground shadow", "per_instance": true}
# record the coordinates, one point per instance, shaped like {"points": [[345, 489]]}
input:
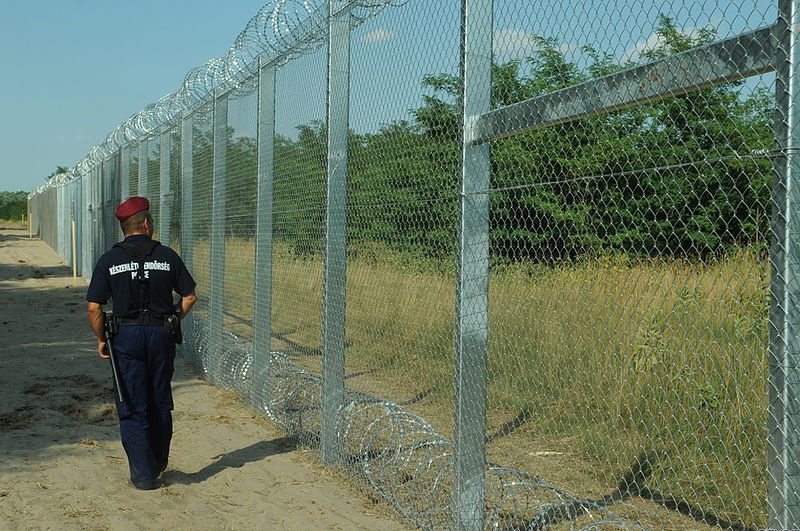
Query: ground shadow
{"points": [[23, 271], [632, 484], [422, 395], [235, 459], [511, 426], [294, 347], [23, 234]]}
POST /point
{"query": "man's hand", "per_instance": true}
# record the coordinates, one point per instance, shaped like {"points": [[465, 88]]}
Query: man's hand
{"points": [[186, 304], [95, 313], [102, 349]]}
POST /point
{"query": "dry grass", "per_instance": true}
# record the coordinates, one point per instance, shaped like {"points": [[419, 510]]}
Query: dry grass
{"points": [[654, 362], [603, 366], [13, 224]]}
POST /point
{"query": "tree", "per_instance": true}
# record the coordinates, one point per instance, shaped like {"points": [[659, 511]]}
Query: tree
{"points": [[667, 178], [59, 170], [13, 205]]}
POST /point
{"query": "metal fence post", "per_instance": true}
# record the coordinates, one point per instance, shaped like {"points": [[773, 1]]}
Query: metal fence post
{"points": [[143, 156], [64, 223], [99, 215], [80, 205], [262, 305], [83, 206], [83, 240], [217, 285], [117, 185], [74, 224], [105, 194], [187, 232], [165, 208], [473, 271], [59, 224], [55, 235], [124, 173], [97, 219], [90, 208], [87, 238], [97, 209], [334, 290], [784, 359]]}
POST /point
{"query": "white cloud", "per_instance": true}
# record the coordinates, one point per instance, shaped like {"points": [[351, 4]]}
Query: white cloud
{"points": [[634, 53], [379, 35], [508, 44]]}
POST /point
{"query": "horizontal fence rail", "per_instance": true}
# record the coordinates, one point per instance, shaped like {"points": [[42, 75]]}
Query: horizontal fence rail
{"points": [[732, 59]]}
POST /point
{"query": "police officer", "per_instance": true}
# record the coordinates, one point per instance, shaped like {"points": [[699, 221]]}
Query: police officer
{"points": [[144, 351]]}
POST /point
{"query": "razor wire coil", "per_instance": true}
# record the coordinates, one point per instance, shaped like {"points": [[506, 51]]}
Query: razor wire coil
{"points": [[396, 450]]}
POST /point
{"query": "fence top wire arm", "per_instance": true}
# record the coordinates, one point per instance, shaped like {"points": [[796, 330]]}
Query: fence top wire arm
{"points": [[737, 57]]}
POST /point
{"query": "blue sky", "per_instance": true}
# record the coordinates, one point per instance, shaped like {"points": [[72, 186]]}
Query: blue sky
{"points": [[73, 70]]}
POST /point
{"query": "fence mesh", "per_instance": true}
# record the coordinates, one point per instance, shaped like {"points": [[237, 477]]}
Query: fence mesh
{"points": [[153, 187], [636, 206], [629, 291], [299, 212], [174, 196]]}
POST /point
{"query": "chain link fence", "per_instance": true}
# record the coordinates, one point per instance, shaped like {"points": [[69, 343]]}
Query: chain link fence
{"points": [[512, 265]]}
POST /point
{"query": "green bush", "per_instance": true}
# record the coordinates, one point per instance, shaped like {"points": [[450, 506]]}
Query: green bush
{"points": [[13, 205]]}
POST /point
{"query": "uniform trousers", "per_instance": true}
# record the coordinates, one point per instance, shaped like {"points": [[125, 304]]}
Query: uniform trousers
{"points": [[145, 357]]}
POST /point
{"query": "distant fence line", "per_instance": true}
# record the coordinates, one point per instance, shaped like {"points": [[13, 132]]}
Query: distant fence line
{"points": [[510, 271]]}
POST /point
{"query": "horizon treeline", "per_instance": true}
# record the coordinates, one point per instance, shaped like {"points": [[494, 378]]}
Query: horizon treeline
{"points": [[13, 205]]}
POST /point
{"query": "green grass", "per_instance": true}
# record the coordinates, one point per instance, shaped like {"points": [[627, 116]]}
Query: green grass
{"points": [[610, 362]]}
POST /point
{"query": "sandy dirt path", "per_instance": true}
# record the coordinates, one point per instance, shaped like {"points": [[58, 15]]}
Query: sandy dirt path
{"points": [[62, 465]]}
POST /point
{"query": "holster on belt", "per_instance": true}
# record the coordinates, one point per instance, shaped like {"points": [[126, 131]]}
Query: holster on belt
{"points": [[172, 325]]}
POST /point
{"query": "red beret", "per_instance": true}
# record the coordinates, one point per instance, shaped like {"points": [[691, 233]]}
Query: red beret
{"points": [[132, 206]]}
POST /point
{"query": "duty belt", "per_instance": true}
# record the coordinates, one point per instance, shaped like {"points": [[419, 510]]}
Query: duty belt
{"points": [[145, 319]]}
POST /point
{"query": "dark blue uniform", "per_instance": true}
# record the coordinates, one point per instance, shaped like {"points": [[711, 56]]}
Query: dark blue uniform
{"points": [[144, 353]]}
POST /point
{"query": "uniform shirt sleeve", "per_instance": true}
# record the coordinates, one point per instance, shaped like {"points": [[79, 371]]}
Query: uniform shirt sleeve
{"points": [[100, 285], [184, 283]]}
